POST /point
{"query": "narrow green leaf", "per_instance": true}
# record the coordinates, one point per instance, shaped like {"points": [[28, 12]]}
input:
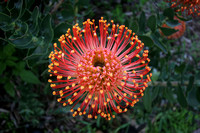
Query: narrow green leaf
{"points": [[151, 23], [183, 19], [9, 87], [142, 22], [29, 77], [158, 43], [168, 93], [146, 40], [169, 12], [167, 31], [121, 127], [155, 93], [198, 94], [191, 98], [181, 97], [147, 100], [191, 84]]}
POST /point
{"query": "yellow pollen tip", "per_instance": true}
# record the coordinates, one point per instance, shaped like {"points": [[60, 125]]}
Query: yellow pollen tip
{"points": [[90, 86], [72, 51], [90, 96], [108, 84], [101, 91], [55, 44], [75, 93], [53, 85], [69, 100], [54, 92], [64, 104], [93, 105], [59, 77], [67, 87], [122, 83], [59, 99], [82, 87], [73, 85], [49, 80], [124, 77], [69, 77]]}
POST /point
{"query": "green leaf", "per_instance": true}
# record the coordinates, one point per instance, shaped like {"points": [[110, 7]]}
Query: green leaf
{"points": [[168, 93], [142, 22], [61, 29], [147, 100], [23, 42], [169, 12], [44, 41], [29, 77], [198, 94], [183, 19], [181, 68], [20, 32], [121, 127], [192, 99], [18, 10], [3, 67], [191, 84], [8, 50], [172, 23], [155, 93], [146, 40], [167, 31], [181, 97], [135, 26], [10, 63], [151, 23], [35, 18], [155, 75], [5, 22], [5, 19], [68, 13], [158, 43], [9, 87]]}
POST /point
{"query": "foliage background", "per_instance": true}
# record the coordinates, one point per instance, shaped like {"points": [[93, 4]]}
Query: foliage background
{"points": [[28, 28]]}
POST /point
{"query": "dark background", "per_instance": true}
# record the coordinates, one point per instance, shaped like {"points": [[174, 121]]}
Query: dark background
{"points": [[28, 29]]}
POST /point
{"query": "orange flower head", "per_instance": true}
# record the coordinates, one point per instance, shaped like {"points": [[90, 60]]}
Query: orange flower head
{"points": [[181, 29], [99, 69], [187, 6]]}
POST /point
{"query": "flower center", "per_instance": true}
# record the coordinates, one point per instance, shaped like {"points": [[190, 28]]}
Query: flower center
{"points": [[99, 69]]}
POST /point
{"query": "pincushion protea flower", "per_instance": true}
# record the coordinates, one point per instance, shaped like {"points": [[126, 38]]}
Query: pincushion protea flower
{"points": [[99, 75], [188, 6], [181, 29]]}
